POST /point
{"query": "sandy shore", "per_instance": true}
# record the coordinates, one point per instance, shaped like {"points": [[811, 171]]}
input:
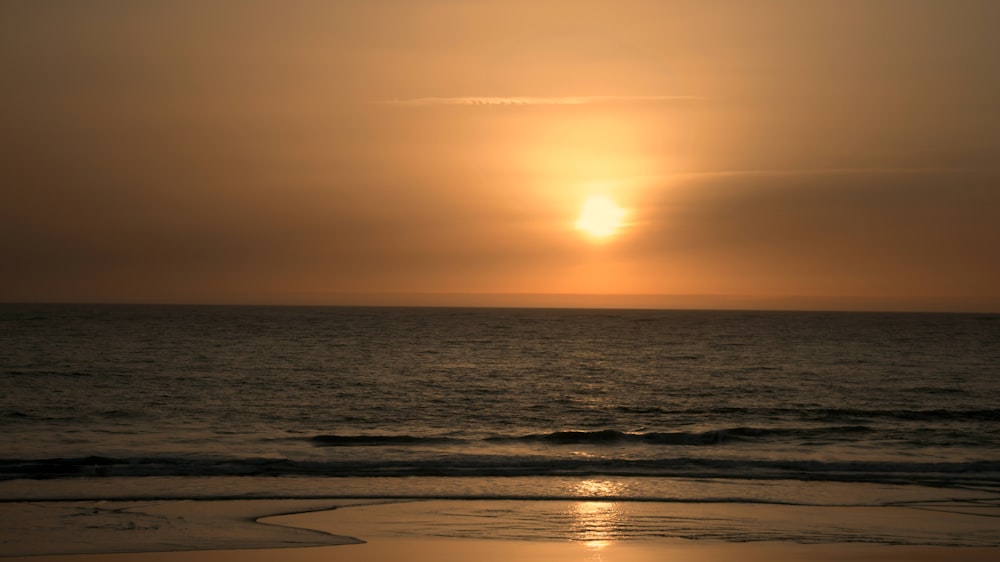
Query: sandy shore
{"points": [[103, 527], [358, 531], [463, 550]]}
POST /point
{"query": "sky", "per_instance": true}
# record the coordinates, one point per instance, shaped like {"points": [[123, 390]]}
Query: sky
{"points": [[766, 154]]}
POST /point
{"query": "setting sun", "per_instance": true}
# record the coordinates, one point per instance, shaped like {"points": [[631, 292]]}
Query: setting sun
{"points": [[600, 217]]}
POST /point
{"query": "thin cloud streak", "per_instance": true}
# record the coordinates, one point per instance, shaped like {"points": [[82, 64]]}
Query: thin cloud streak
{"points": [[851, 171], [530, 100]]}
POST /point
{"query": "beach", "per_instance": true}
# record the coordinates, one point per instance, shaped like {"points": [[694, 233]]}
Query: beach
{"points": [[441, 531]]}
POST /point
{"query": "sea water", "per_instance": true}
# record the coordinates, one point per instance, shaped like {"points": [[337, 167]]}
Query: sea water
{"points": [[663, 407]]}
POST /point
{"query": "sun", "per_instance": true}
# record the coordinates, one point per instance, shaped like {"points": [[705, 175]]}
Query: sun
{"points": [[600, 217]]}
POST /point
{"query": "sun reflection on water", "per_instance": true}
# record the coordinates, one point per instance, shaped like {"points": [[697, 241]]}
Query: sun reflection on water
{"points": [[597, 523]]}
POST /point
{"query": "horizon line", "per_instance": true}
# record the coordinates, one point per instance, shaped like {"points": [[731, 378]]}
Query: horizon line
{"points": [[578, 301], [526, 100]]}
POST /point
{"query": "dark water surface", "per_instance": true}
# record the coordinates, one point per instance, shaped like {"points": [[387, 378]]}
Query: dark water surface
{"points": [[814, 408]]}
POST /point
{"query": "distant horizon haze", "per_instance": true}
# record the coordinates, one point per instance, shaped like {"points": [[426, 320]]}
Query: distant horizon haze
{"points": [[794, 303]]}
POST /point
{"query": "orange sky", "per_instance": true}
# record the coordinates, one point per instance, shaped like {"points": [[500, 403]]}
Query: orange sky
{"points": [[771, 154]]}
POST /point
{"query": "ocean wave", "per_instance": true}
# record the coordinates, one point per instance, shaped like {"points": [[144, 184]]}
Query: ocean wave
{"points": [[377, 440], [989, 414], [826, 414], [42, 373], [600, 437], [709, 437], [895, 472]]}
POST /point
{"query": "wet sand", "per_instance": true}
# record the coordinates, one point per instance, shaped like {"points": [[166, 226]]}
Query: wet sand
{"points": [[459, 550], [249, 530]]}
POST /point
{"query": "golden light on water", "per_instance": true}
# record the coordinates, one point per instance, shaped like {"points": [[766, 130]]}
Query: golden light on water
{"points": [[598, 523], [598, 488]]}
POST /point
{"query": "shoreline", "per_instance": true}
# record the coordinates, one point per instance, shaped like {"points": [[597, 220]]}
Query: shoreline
{"points": [[97, 527], [363, 530], [458, 550]]}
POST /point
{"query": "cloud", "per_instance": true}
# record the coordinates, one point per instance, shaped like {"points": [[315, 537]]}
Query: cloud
{"points": [[833, 232], [530, 100], [818, 172]]}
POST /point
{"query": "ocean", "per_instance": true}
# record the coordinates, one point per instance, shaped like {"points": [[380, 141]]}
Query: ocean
{"points": [[611, 407]]}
